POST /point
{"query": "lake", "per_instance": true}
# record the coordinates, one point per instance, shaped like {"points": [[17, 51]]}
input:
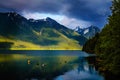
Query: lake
{"points": [[47, 65]]}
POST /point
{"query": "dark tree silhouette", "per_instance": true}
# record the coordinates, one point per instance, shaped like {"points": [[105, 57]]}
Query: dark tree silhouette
{"points": [[5, 45], [107, 46]]}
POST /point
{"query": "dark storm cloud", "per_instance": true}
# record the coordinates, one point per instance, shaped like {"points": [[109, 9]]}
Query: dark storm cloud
{"points": [[90, 10], [80, 9], [47, 6], [95, 11]]}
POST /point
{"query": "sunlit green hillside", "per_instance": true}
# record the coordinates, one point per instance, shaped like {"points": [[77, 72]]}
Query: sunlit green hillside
{"points": [[18, 33], [44, 41]]}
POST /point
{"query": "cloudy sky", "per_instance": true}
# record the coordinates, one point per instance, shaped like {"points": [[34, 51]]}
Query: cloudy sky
{"points": [[70, 13]]}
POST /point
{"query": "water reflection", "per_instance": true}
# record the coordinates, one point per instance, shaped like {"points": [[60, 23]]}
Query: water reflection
{"points": [[84, 71], [47, 67]]}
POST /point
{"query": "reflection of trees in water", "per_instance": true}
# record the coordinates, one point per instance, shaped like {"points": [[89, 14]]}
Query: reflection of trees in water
{"points": [[81, 64], [5, 45], [84, 66]]}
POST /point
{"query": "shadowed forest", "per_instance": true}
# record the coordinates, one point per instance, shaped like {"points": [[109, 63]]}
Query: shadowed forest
{"points": [[106, 45]]}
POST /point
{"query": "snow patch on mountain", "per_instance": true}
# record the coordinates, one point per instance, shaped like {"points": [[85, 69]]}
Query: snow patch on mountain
{"points": [[86, 31]]}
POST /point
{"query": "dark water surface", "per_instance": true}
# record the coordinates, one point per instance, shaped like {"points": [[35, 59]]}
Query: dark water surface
{"points": [[46, 65]]}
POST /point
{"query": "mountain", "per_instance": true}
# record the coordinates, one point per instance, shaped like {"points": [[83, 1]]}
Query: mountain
{"points": [[17, 32], [88, 32]]}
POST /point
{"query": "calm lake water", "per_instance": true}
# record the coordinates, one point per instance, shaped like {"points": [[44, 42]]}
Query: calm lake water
{"points": [[47, 65]]}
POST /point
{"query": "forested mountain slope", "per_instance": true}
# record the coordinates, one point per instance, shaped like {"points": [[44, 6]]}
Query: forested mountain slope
{"points": [[107, 45]]}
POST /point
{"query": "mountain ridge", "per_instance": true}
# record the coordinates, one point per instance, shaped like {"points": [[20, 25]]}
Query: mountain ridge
{"points": [[88, 32], [44, 34]]}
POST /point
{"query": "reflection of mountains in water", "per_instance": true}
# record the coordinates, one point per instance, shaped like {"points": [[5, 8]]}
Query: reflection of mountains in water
{"points": [[84, 71], [43, 66]]}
